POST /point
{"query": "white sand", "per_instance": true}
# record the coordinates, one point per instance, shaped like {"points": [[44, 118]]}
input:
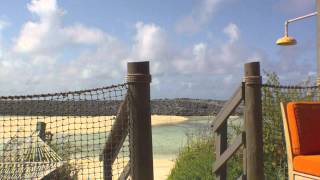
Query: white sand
{"points": [[162, 168], [24, 125], [164, 119]]}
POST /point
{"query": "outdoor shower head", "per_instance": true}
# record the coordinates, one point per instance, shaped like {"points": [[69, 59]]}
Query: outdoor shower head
{"points": [[286, 41]]}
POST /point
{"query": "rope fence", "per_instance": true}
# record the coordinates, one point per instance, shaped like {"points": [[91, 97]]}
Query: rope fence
{"points": [[98, 133], [61, 135], [275, 161]]}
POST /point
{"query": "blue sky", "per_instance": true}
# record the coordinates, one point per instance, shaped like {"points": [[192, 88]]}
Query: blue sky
{"points": [[197, 48]]}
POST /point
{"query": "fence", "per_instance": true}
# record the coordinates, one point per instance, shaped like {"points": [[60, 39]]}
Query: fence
{"points": [[101, 133], [251, 137], [105, 133], [275, 159], [262, 138]]}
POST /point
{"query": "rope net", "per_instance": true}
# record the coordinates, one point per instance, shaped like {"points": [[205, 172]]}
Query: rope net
{"points": [[275, 158], [64, 135]]}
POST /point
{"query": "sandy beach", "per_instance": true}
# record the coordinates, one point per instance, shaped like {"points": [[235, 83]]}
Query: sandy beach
{"points": [[162, 167], [168, 137], [23, 125]]}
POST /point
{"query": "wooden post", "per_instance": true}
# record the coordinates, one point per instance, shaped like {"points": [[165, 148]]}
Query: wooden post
{"points": [[244, 155], [253, 121], [221, 137], [140, 136], [41, 128]]}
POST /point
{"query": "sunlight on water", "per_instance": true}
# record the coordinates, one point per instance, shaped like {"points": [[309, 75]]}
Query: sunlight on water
{"points": [[169, 138]]}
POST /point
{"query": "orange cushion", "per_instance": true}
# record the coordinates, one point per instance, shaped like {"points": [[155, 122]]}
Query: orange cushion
{"points": [[304, 127], [307, 164]]}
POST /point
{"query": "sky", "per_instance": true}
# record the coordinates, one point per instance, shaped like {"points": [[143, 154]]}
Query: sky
{"points": [[196, 48]]}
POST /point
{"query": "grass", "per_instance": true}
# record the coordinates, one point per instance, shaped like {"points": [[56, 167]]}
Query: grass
{"points": [[194, 162]]}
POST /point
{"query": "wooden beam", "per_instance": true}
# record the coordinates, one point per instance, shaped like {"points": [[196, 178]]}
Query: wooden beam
{"points": [[115, 139], [229, 152], [125, 172], [118, 132], [228, 108], [221, 144]]}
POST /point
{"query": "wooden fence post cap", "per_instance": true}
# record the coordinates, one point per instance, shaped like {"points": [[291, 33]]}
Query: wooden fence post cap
{"points": [[252, 69], [141, 67], [138, 72]]}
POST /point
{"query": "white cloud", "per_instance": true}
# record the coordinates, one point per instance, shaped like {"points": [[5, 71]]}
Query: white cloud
{"points": [[48, 34], [199, 51], [37, 61], [42, 35], [31, 37], [81, 34], [232, 31], [217, 60], [43, 7], [200, 16], [150, 43]]}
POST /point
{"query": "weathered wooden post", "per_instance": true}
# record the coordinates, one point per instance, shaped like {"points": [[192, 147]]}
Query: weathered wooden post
{"points": [[221, 141], [140, 136], [41, 128], [253, 121]]}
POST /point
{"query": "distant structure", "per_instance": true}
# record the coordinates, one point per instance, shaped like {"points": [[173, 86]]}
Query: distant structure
{"points": [[29, 157]]}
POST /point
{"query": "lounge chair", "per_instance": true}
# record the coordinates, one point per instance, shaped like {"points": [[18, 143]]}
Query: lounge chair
{"points": [[301, 122]]}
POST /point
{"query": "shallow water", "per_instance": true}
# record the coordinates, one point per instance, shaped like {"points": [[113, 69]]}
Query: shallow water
{"points": [[169, 138]]}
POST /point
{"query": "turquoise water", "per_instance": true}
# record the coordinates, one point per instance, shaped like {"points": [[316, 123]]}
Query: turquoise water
{"points": [[168, 139]]}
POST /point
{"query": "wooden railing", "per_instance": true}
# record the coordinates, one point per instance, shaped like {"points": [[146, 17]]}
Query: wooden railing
{"points": [[118, 134], [223, 153], [133, 117], [251, 138]]}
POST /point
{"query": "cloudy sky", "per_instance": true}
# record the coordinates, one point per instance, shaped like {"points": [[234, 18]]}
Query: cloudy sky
{"points": [[197, 48]]}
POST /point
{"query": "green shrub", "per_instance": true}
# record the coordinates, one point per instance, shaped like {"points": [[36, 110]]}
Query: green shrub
{"points": [[275, 162], [194, 161]]}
